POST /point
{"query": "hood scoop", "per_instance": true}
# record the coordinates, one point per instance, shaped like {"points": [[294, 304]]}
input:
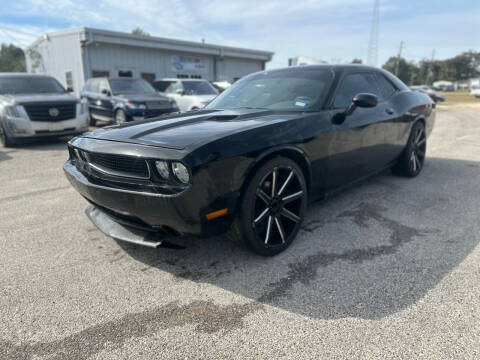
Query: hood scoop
{"points": [[222, 117]]}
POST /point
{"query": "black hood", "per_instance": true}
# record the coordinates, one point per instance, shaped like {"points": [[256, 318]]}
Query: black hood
{"points": [[187, 130]]}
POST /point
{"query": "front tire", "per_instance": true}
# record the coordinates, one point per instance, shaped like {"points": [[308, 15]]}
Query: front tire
{"points": [[412, 159], [5, 140], [91, 119], [273, 207]]}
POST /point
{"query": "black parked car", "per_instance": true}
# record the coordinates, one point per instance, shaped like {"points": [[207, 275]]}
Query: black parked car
{"points": [[253, 157], [124, 99]]}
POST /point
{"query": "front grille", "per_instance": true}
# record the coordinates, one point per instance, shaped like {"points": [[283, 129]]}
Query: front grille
{"points": [[115, 165], [156, 105], [58, 111]]}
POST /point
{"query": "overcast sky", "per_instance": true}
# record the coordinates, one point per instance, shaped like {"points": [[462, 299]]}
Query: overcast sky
{"points": [[331, 30]]}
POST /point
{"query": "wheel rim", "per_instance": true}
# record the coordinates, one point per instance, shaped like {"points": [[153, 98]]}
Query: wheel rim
{"points": [[278, 207], [120, 118], [419, 146]]}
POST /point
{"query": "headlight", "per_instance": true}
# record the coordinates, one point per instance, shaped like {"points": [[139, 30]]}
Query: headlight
{"points": [[180, 172], [12, 111], [162, 168], [135, 106]]}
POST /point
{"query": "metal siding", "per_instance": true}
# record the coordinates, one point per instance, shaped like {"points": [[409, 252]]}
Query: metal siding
{"points": [[59, 55], [237, 68], [115, 57]]}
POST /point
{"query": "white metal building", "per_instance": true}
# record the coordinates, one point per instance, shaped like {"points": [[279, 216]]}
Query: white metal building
{"points": [[73, 56]]}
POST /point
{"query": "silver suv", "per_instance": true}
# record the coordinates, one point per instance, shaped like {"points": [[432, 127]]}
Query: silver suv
{"points": [[37, 106]]}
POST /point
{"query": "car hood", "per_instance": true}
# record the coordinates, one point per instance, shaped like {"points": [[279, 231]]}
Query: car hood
{"points": [[187, 130], [28, 98], [142, 97]]}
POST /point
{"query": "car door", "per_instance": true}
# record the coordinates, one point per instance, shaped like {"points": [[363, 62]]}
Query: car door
{"points": [[92, 95], [105, 102], [353, 141], [389, 122]]}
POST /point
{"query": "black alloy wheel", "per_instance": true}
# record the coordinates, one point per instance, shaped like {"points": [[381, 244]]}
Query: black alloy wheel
{"points": [[273, 206], [412, 160]]}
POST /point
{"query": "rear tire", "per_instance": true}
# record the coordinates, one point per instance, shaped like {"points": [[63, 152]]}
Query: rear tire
{"points": [[273, 207], [413, 157]]}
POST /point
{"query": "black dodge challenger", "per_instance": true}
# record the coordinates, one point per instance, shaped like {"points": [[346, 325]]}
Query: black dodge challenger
{"points": [[253, 158]]}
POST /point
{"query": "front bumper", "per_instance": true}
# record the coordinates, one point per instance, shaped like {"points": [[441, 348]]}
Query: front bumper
{"points": [[181, 213], [25, 128]]}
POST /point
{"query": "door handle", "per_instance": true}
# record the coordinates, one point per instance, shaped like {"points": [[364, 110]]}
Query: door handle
{"points": [[389, 111]]}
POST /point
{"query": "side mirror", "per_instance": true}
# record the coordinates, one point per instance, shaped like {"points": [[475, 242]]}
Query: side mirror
{"points": [[362, 100], [69, 89], [180, 92], [106, 92]]}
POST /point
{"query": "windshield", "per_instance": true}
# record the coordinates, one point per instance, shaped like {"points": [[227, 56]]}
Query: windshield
{"points": [[30, 85], [162, 86], [139, 86], [198, 88], [294, 89]]}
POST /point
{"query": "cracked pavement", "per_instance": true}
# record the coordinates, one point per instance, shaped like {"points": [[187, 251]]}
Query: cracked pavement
{"points": [[386, 269]]}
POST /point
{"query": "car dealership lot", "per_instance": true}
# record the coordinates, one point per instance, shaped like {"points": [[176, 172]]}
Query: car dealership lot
{"points": [[386, 269]]}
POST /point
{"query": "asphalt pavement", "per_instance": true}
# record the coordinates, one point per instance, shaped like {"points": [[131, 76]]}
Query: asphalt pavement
{"points": [[387, 269]]}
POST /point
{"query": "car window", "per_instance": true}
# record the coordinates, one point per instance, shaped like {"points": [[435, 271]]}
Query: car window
{"points": [[352, 85], [162, 86], [385, 87], [174, 87], [103, 85], [199, 88], [126, 86], [299, 89], [30, 85], [94, 86], [88, 86]]}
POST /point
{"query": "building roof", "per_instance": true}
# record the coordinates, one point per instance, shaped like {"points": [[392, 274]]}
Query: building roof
{"points": [[90, 36]]}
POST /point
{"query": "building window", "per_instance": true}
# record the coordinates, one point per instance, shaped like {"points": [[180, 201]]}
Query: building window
{"points": [[100, 73], [182, 76], [150, 77], [69, 80], [195, 76], [125, 73]]}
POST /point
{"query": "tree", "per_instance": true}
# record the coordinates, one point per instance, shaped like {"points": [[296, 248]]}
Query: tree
{"points": [[357, 61], [404, 70], [139, 31], [12, 59]]}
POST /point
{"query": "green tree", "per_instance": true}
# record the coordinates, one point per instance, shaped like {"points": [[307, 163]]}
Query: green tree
{"points": [[12, 59], [139, 31], [404, 70]]}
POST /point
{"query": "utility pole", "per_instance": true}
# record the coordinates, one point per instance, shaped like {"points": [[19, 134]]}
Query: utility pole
{"points": [[430, 67], [397, 68], [372, 57]]}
